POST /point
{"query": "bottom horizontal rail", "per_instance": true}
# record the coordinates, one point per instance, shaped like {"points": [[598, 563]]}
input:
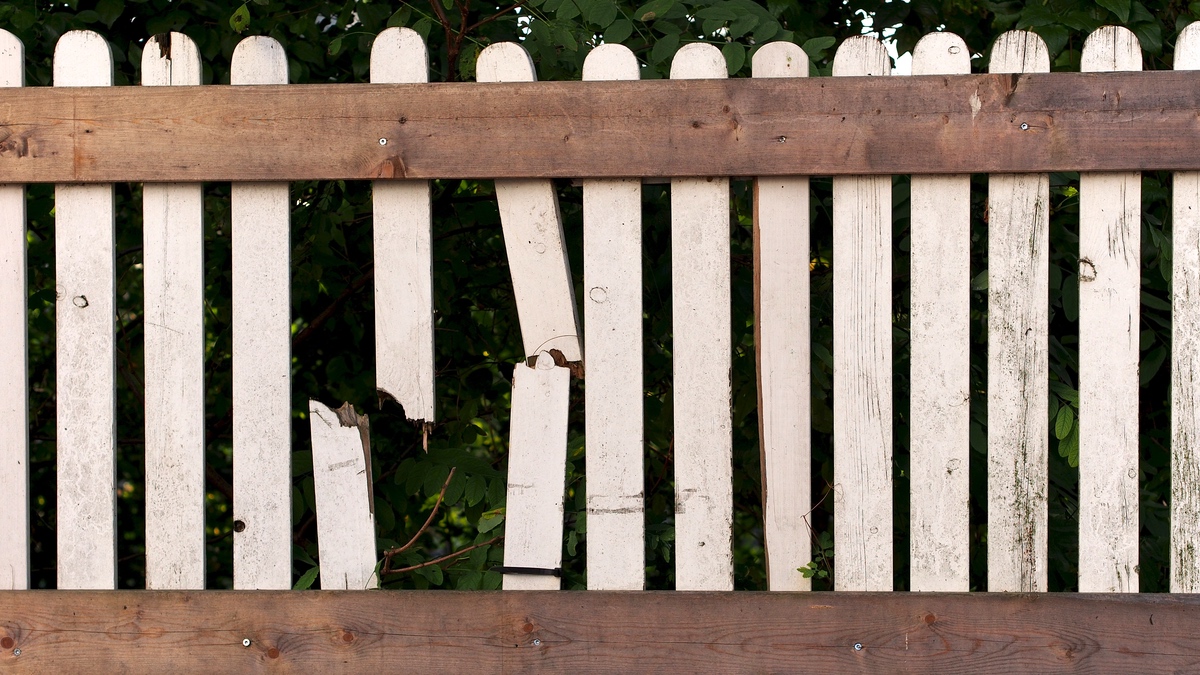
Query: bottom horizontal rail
{"points": [[469, 632]]}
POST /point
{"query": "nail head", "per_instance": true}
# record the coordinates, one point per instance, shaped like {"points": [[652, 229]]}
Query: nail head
{"points": [[1024, 126], [245, 642], [537, 642], [17, 651], [858, 646], [383, 141]]}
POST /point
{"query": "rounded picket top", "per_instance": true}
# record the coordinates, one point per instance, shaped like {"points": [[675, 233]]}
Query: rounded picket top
{"points": [[780, 59], [611, 62], [171, 59], [12, 60], [1187, 48], [505, 62], [941, 54], [1111, 48], [862, 55], [259, 59], [399, 55], [1019, 51], [698, 61], [82, 59]]}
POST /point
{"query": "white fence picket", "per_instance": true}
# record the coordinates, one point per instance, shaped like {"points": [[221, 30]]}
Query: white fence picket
{"points": [[14, 435], [862, 358], [702, 359], [341, 447], [1110, 251], [173, 254], [403, 253], [86, 398], [612, 307], [781, 232], [262, 459], [1185, 357], [1018, 297], [940, 361]]}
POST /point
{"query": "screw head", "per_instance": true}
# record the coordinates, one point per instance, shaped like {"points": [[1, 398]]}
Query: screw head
{"points": [[858, 646], [17, 651], [1024, 126], [383, 141], [537, 642], [246, 642]]}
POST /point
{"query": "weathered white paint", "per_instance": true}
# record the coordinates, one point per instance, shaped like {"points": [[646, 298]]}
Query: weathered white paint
{"points": [[701, 355], [782, 326], [862, 358], [14, 435], [341, 447], [533, 234], [1185, 358], [262, 452], [537, 457], [1110, 251], [85, 287], [940, 357], [1018, 295], [403, 253], [612, 310], [173, 258]]}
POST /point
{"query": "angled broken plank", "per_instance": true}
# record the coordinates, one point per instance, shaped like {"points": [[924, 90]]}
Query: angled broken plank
{"points": [[341, 447]]}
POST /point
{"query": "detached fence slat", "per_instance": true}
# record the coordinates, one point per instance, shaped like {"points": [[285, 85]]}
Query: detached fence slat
{"points": [[173, 254], [1018, 297], [701, 354], [341, 447], [781, 231], [86, 398], [612, 271], [1110, 252], [262, 424], [403, 253], [862, 358], [14, 435], [940, 356]]}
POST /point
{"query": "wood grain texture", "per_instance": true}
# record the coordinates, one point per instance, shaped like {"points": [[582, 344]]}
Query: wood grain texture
{"points": [[14, 434], [839, 126], [1018, 295], [940, 361], [1110, 252], [612, 313], [173, 256], [262, 340], [862, 358], [596, 631], [86, 372], [702, 358], [403, 222], [341, 447], [782, 335]]}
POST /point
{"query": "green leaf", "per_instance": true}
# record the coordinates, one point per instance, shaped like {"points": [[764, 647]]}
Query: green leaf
{"points": [[572, 542], [599, 12], [815, 47], [653, 9], [735, 56], [564, 38], [1065, 393], [89, 16], [742, 25], [1064, 422], [110, 10], [423, 26], [980, 282], [718, 13], [400, 17], [766, 31], [618, 32], [491, 520], [567, 10], [335, 46], [664, 49], [475, 490], [305, 582], [240, 20], [1118, 7]]}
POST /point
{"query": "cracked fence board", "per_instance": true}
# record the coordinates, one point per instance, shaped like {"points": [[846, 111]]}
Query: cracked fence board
{"points": [[701, 360], [1110, 251], [862, 358], [533, 235], [262, 453], [940, 362], [1185, 358], [612, 308], [86, 402], [1018, 295], [14, 434], [403, 255], [341, 447], [173, 251], [781, 244]]}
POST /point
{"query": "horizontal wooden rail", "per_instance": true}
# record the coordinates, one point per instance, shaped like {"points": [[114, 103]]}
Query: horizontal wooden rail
{"points": [[461, 632], [743, 127]]}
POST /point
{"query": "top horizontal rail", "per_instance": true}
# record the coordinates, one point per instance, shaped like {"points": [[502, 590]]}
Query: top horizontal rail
{"points": [[743, 127]]}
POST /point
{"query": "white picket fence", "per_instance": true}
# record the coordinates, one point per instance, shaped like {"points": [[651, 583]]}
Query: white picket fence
{"points": [[1017, 397]]}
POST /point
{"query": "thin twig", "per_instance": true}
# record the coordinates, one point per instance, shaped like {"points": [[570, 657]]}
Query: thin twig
{"points": [[495, 16], [437, 561], [428, 521]]}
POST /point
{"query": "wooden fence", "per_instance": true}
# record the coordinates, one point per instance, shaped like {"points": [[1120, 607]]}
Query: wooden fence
{"points": [[1017, 123]]}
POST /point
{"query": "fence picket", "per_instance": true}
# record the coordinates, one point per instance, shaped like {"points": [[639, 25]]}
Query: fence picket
{"points": [[940, 356], [612, 269], [1185, 357], [1018, 297], [781, 232], [173, 255], [86, 398], [862, 358], [403, 253], [261, 241], [341, 447], [14, 434], [701, 355]]}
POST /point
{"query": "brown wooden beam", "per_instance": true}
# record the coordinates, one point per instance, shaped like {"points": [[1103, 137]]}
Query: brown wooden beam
{"points": [[740, 127], [486, 632]]}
